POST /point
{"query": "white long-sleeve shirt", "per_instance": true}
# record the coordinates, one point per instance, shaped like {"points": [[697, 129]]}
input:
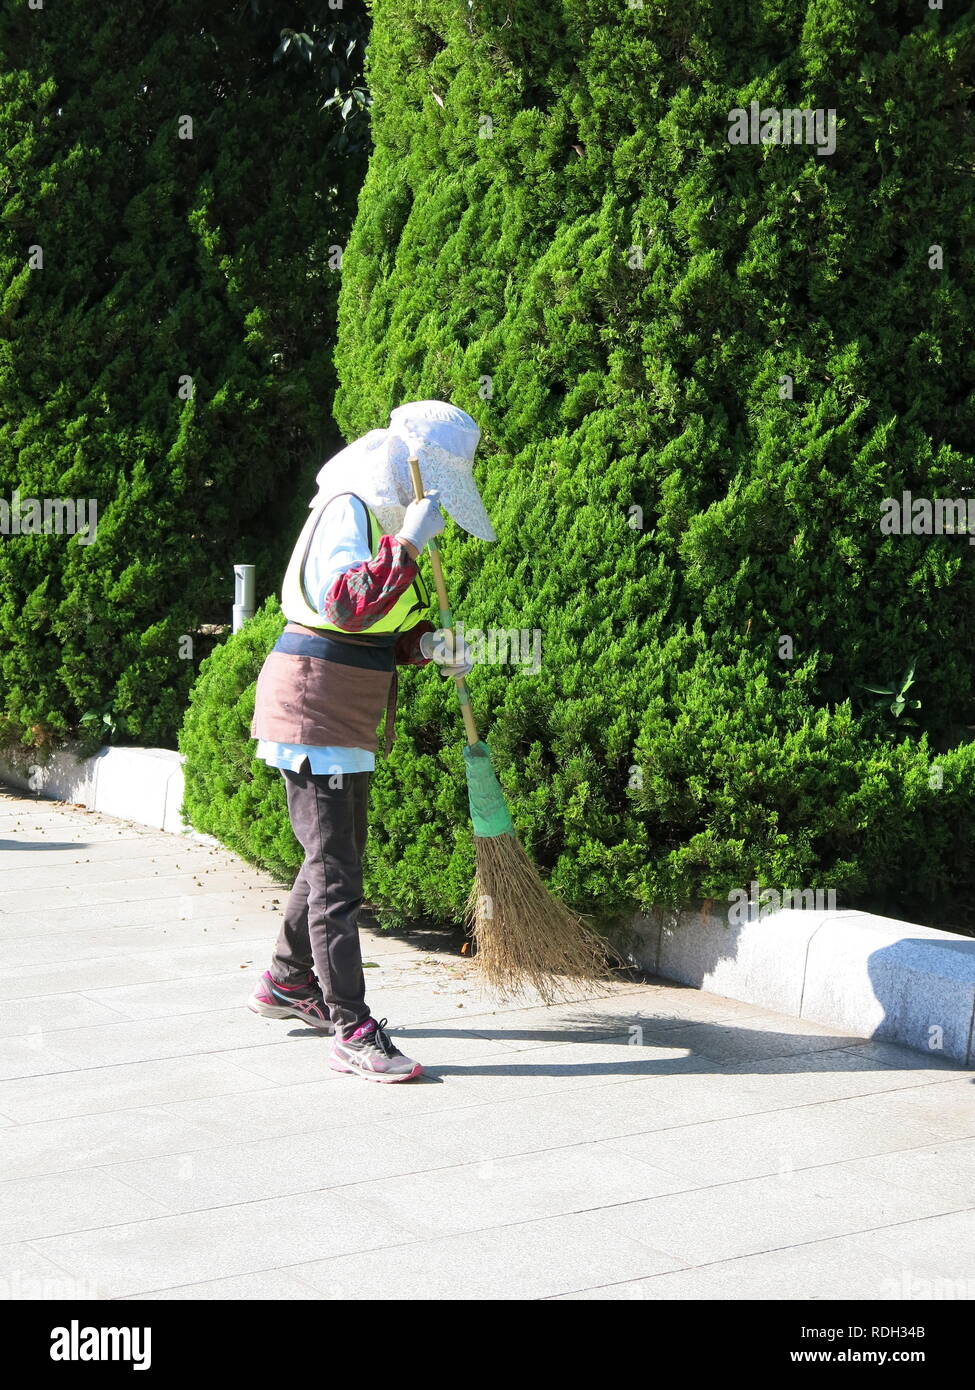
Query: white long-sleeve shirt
{"points": [[341, 540]]}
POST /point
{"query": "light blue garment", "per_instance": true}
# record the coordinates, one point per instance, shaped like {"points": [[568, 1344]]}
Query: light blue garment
{"points": [[320, 759], [341, 540]]}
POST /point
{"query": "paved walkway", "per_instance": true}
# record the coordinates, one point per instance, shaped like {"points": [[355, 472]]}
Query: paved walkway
{"points": [[157, 1140]]}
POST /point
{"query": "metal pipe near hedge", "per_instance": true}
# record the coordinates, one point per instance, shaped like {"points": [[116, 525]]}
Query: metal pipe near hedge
{"points": [[243, 596]]}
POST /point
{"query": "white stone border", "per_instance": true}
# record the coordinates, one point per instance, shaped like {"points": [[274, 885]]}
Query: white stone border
{"points": [[144, 785], [874, 976]]}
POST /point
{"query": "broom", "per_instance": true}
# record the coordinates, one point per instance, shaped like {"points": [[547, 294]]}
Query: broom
{"points": [[524, 937]]}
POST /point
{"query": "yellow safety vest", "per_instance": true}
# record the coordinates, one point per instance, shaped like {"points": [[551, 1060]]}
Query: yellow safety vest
{"points": [[296, 602]]}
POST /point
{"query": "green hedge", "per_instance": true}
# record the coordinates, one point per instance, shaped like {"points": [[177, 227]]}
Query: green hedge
{"points": [[667, 513], [164, 258], [876, 831], [229, 793]]}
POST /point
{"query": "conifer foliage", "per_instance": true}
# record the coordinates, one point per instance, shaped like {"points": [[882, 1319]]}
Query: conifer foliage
{"points": [[175, 190]]}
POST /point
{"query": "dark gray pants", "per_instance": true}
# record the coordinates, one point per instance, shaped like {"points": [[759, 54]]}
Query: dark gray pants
{"points": [[320, 930]]}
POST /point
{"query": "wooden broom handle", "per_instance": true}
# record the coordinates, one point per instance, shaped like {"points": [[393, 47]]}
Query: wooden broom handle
{"points": [[445, 620]]}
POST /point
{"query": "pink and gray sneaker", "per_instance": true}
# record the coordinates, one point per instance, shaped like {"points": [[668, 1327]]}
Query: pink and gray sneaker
{"points": [[303, 1000], [369, 1053]]}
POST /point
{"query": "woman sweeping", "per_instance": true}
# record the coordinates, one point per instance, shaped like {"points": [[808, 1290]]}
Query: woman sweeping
{"points": [[355, 603]]}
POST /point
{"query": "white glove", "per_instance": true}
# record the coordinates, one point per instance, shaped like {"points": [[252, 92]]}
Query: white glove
{"points": [[435, 646], [423, 521]]}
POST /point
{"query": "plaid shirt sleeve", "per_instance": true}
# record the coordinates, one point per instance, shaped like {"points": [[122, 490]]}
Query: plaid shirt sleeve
{"points": [[369, 590]]}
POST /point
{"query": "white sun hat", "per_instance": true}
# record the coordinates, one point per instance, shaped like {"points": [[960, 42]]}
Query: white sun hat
{"points": [[375, 466]]}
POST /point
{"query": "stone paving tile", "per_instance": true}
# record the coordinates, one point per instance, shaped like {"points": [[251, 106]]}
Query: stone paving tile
{"points": [[933, 1258], [39, 982], [946, 1109], [759, 1036], [41, 898], [277, 1285], [144, 1040], [83, 866], [64, 831], [92, 1141], [194, 994], [776, 1142], [53, 1013], [110, 945], [447, 1087], [524, 1030], [139, 1255], [641, 1015], [119, 850], [378, 944], [521, 1124], [26, 1276], [415, 1002], [277, 1111], [944, 1168], [571, 1065], [150, 968], [30, 1055], [122, 1087], [741, 1218], [534, 1259], [221, 1174], [503, 1191], [924, 1065], [55, 827], [160, 906], [58, 1203], [827, 1074], [40, 901]]}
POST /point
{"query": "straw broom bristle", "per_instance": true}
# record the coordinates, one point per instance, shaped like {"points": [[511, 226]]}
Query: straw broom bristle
{"points": [[526, 938]]}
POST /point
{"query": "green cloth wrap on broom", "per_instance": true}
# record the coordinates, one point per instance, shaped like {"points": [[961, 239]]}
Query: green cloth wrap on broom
{"points": [[489, 812]]}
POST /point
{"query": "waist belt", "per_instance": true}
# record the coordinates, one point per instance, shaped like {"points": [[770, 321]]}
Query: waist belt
{"points": [[376, 654]]}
